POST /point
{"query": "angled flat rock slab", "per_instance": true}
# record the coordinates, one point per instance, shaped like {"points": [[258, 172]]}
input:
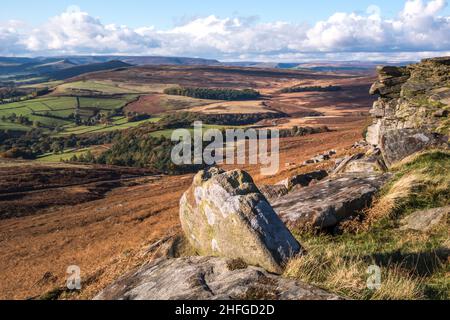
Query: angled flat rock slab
{"points": [[208, 278], [328, 202]]}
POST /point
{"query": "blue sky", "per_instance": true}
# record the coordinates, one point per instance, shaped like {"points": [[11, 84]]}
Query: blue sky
{"points": [[282, 30], [164, 14]]}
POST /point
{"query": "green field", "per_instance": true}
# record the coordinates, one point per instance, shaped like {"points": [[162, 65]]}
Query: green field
{"points": [[51, 111], [66, 155], [98, 87], [106, 87], [119, 123]]}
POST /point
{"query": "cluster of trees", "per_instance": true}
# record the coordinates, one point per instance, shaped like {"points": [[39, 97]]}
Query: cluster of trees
{"points": [[34, 143], [137, 149], [135, 117], [185, 119], [13, 94], [310, 89], [13, 118], [97, 117], [214, 94], [297, 131]]}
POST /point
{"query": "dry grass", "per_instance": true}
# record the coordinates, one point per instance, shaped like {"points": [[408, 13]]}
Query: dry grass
{"points": [[413, 265], [331, 268], [398, 285], [420, 181], [388, 204]]}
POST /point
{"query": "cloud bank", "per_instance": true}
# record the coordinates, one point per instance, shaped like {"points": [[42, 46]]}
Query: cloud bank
{"points": [[418, 30]]}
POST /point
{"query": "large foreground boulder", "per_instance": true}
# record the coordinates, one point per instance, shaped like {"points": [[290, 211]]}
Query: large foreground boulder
{"points": [[224, 214], [207, 278], [328, 202]]}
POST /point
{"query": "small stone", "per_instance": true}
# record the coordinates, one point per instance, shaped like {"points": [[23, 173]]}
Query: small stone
{"points": [[425, 220], [441, 113]]}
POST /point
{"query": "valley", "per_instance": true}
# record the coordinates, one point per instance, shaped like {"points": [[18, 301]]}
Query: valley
{"points": [[87, 179], [62, 213]]}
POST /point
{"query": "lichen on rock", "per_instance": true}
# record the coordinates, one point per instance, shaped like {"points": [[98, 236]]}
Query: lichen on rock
{"points": [[414, 102], [224, 214]]}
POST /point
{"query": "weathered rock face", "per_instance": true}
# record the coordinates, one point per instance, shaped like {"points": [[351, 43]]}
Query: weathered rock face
{"points": [[414, 103], [398, 144], [425, 220], [207, 278], [224, 214], [328, 202]]}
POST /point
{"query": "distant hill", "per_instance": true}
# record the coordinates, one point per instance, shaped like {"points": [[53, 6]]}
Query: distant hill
{"points": [[79, 70], [53, 66], [31, 70], [142, 60], [320, 66], [273, 65], [169, 61], [26, 70]]}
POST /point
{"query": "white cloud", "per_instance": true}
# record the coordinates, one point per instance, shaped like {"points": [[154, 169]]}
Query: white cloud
{"points": [[417, 29], [75, 31]]}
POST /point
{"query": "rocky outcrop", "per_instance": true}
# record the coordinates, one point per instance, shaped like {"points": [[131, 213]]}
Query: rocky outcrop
{"points": [[411, 113], [207, 278], [425, 220], [224, 214], [328, 202]]}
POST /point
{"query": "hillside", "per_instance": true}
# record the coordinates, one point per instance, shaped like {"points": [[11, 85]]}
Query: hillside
{"points": [[74, 71]]}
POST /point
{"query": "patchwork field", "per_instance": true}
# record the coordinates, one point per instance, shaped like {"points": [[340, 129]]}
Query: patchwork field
{"points": [[56, 111], [96, 88]]}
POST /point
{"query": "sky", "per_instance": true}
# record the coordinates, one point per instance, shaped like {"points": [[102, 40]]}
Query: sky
{"points": [[282, 30]]}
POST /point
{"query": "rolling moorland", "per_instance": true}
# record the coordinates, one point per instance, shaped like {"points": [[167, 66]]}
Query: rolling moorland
{"points": [[86, 178]]}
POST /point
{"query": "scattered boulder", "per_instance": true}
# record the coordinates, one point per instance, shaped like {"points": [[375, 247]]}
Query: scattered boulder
{"points": [[303, 180], [441, 113], [272, 192], [328, 202], [208, 278], [360, 144], [224, 214], [425, 220], [321, 157]]}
